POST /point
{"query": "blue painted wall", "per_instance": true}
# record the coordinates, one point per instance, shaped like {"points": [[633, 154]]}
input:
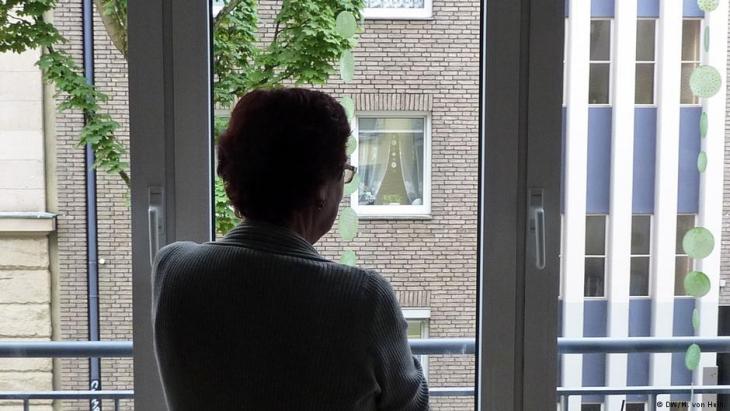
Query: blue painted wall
{"points": [[639, 326], [599, 160], [682, 327], [644, 160], [594, 365], [688, 188]]}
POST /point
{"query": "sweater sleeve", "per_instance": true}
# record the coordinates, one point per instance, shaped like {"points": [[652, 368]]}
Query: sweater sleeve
{"points": [[397, 371]]}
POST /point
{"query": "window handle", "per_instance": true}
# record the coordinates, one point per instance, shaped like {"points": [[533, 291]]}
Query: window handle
{"points": [[155, 225], [539, 217], [537, 224]]}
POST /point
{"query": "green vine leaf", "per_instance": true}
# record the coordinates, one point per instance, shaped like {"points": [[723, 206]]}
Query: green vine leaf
{"points": [[352, 186], [696, 284], [349, 105], [348, 257], [692, 357], [351, 145], [348, 224], [698, 243], [703, 124], [696, 320], [347, 66], [702, 162], [346, 24]]}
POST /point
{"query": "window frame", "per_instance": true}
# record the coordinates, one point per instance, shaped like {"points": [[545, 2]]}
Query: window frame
{"points": [[611, 65], [632, 255], [422, 314], [677, 255], [415, 212], [586, 256], [698, 61], [400, 13], [653, 62]]}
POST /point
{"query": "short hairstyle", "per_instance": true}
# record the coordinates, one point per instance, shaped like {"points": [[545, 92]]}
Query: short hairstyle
{"points": [[280, 146]]}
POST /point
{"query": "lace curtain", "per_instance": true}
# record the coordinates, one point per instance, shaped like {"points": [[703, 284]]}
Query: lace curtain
{"points": [[395, 4]]}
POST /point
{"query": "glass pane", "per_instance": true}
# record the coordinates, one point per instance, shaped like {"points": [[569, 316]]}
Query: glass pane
{"points": [[399, 4], [644, 83], [686, 96], [636, 407], [639, 286], [645, 33], [691, 40], [390, 164], [415, 328], [596, 235], [640, 234], [598, 89], [366, 124], [600, 40], [683, 265], [684, 223], [594, 276], [590, 407]]}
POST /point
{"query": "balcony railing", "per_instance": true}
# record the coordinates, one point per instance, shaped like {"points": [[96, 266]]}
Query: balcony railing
{"points": [[430, 346]]}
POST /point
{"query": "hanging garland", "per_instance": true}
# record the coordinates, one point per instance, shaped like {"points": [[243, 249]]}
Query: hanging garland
{"points": [[348, 221], [698, 243]]}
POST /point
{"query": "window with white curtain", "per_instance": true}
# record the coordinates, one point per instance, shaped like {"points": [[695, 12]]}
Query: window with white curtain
{"points": [[398, 9], [393, 163]]}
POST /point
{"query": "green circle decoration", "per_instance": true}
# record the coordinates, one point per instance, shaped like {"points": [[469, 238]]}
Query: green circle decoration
{"points": [[708, 5], [698, 242], [348, 257], [696, 284], [351, 187], [348, 224], [351, 145], [707, 38], [347, 66], [349, 105], [705, 81], [695, 319], [692, 357], [702, 162], [703, 124], [345, 24]]}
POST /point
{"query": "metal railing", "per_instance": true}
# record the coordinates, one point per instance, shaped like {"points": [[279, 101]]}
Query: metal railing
{"points": [[430, 346]]}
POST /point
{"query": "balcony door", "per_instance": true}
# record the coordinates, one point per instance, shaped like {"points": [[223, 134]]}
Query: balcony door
{"points": [[519, 182]]}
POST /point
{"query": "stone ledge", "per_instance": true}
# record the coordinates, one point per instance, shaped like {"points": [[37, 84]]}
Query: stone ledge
{"points": [[27, 222]]}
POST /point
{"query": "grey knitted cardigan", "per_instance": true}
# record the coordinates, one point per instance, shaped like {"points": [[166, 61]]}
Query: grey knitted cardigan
{"points": [[260, 321]]}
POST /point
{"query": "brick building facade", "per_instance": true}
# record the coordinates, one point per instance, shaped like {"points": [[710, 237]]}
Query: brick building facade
{"points": [[424, 65]]}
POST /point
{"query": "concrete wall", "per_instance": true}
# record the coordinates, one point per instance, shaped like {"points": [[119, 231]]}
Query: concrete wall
{"points": [[25, 278]]}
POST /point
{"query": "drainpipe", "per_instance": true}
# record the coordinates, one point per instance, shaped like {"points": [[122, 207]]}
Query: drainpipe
{"points": [[91, 220]]}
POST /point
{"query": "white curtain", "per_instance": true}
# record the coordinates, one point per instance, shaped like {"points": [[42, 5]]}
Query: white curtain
{"points": [[395, 4], [411, 165], [373, 163]]}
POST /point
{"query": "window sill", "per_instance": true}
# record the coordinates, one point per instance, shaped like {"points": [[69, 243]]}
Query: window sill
{"points": [[395, 216]]}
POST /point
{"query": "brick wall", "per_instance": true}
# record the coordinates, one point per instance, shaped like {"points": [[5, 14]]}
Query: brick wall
{"points": [[399, 63]]}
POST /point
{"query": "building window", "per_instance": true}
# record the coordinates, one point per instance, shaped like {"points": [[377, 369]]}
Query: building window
{"points": [[691, 29], [591, 407], [398, 9], [393, 161], [640, 251], [635, 406], [599, 87], [417, 319], [595, 265], [645, 60], [683, 264]]}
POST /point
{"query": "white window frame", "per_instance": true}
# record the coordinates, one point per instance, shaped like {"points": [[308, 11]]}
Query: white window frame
{"points": [[611, 65], [420, 314], [422, 211], [654, 62], [700, 40], [631, 257], [586, 256], [398, 13]]}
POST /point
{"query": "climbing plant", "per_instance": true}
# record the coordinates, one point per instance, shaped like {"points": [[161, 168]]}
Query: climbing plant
{"points": [[310, 39], [699, 242]]}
